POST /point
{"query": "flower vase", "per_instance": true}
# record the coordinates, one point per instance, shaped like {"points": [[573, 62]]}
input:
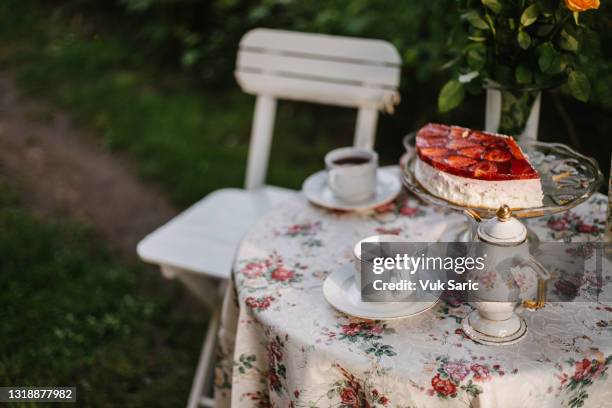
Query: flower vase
{"points": [[513, 112]]}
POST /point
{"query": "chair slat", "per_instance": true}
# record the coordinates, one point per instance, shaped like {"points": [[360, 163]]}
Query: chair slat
{"points": [[322, 45], [297, 65], [310, 90]]}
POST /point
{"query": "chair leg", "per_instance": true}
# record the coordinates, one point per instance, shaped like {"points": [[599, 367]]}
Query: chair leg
{"points": [[365, 131], [205, 365]]}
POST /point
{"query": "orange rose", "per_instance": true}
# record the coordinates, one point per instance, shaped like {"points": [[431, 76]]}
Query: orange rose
{"points": [[578, 6]]}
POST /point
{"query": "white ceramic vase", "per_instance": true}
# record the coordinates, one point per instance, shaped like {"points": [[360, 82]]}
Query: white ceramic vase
{"points": [[493, 113]]}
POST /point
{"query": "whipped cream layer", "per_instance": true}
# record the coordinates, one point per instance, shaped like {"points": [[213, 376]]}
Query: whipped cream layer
{"points": [[524, 193]]}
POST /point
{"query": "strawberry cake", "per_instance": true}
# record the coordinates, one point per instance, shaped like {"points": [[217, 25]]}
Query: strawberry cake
{"points": [[475, 169]]}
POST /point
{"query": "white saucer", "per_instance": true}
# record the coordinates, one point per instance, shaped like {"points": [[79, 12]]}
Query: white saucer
{"points": [[317, 192], [489, 340], [341, 292]]}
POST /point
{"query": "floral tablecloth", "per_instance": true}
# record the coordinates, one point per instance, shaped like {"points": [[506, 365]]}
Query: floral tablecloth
{"points": [[282, 345]]}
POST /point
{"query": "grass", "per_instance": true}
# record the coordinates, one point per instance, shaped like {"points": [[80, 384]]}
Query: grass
{"points": [[73, 316]]}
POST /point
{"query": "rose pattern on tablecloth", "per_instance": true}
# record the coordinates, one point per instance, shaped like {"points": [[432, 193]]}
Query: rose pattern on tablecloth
{"points": [[585, 372], [272, 377], [259, 273], [277, 372], [262, 274], [570, 225], [354, 392], [307, 230], [259, 303], [365, 333], [302, 353], [459, 378]]}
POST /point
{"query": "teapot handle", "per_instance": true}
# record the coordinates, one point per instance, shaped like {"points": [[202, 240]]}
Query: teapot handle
{"points": [[544, 275], [474, 219]]}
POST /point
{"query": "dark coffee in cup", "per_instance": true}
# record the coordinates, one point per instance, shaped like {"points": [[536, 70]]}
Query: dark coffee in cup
{"points": [[351, 161]]}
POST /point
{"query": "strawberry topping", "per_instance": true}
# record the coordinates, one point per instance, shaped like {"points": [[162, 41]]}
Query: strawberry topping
{"points": [[460, 162], [432, 141], [484, 169], [520, 167], [434, 151], [457, 144], [457, 132], [473, 154], [497, 155]]}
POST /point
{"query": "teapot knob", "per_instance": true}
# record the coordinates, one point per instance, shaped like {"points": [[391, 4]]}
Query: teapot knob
{"points": [[504, 213]]}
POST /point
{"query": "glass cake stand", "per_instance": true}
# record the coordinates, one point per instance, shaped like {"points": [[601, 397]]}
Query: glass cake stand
{"points": [[568, 179]]}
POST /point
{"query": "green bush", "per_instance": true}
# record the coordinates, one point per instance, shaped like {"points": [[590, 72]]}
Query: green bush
{"points": [[202, 36]]}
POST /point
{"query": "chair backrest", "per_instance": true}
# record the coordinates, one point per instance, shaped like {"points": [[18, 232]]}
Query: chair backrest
{"points": [[332, 70]]}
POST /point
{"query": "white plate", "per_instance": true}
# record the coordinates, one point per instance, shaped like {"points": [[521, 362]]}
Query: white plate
{"points": [[316, 190], [485, 339], [341, 292]]}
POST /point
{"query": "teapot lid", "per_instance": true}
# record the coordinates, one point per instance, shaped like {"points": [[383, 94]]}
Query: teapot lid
{"points": [[503, 229]]}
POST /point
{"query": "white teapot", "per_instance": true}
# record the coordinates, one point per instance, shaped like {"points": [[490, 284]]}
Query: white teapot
{"points": [[511, 275]]}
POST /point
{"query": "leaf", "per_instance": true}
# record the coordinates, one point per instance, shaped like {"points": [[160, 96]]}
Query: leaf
{"points": [[524, 39], [530, 15], [512, 24], [475, 20], [549, 60], [451, 95], [476, 57], [493, 5], [467, 78], [491, 23], [579, 86], [523, 74], [545, 30], [568, 42]]}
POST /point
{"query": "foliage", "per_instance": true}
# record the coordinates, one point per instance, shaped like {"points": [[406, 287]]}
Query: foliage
{"points": [[520, 44], [201, 36]]}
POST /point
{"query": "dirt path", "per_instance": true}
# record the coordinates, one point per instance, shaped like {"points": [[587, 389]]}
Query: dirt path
{"points": [[64, 172]]}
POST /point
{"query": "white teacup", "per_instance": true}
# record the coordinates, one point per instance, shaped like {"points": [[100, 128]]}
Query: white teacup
{"points": [[357, 259], [351, 173]]}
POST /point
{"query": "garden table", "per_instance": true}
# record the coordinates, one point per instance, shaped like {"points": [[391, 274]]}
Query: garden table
{"points": [[281, 344]]}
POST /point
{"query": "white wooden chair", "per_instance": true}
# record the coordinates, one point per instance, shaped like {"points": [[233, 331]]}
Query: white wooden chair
{"points": [[198, 246]]}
